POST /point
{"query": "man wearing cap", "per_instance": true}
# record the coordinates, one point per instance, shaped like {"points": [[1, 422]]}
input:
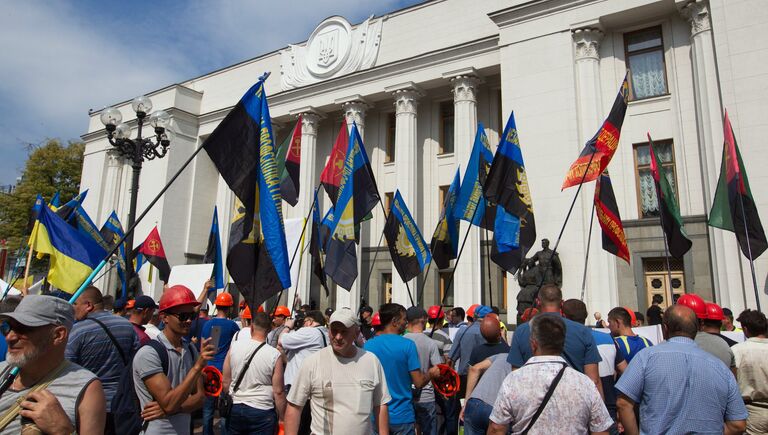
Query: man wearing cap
{"points": [[118, 309], [55, 395], [101, 343], [708, 342], [169, 398], [278, 324], [143, 309], [345, 385], [429, 356], [466, 341]]}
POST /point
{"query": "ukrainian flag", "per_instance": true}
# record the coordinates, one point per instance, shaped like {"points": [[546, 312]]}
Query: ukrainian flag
{"points": [[73, 254]]}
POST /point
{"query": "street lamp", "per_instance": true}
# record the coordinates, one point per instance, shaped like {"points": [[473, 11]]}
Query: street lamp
{"points": [[137, 150]]}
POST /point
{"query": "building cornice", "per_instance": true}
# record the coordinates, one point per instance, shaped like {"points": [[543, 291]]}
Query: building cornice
{"points": [[534, 9]]}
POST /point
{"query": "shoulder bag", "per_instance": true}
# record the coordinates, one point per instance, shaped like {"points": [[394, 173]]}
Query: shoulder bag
{"points": [[225, 399]]}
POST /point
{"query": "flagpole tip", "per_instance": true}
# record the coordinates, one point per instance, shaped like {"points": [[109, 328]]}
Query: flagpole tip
{"points": [[265, 76]]}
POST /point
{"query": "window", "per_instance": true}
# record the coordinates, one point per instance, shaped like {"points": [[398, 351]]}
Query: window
{"points": [[386, 288], [389, 151], [442, 195], [445, 276], [646, 188], [644, 51], [388, 198], [446, 127]]}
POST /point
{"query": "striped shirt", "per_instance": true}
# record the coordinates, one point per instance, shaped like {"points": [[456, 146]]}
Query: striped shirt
{"points": [[90, 347]]}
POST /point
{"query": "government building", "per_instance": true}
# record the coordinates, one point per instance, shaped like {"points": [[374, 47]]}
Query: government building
{"points": [[419, 81]]}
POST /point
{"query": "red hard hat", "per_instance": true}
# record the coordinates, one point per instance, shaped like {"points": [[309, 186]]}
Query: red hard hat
{"points": [[224, 300], [632, 317], [212, 381], [130, 304], [282, 311], [177, 296], [714, 312], [448, 383], [471, 310], [694, 302], [528, 314], [376, 319], [435, 312], [246, 313]]}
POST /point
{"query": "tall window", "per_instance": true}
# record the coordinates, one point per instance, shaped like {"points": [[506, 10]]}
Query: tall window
{"points": [[444, 278], [646, 188], [645, 57], [388, 198], [389, 155], [443, 194], [446, 127], [386, 287]]}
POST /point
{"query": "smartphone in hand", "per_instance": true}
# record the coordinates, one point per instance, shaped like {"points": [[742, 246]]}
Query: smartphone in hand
{"points": [[215, 336]]}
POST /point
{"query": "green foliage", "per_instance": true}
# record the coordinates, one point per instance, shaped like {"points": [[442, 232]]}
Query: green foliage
{"points": [[50, 167]]}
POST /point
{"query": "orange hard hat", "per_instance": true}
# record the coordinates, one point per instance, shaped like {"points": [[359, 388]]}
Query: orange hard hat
{"points": [[224, 299], [448, 383], [282, 311], [246, 313], [130, 304], [212, 381], [471, 310], [177, 296], [694, 302], [714, 312], [435, 312], [376, 319]]}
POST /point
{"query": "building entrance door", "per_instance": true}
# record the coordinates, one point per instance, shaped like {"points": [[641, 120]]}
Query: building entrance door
{"points": [[657, 281]]}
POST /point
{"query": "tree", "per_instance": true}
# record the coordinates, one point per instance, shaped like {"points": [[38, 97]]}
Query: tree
{"points": [[50, 167]]}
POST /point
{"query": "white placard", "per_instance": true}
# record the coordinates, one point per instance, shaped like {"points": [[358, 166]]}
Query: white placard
{"points": [[652, 333], [192, 276]]}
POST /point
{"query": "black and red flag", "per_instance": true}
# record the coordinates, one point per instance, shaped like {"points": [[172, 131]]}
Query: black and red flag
{"points": [[603, 144], [291, 164], [152, 250], [330, 178], [733, 208], [614, 240], [671, 222]]}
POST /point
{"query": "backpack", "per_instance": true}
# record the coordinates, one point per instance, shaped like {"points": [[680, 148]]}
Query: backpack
{"points": [[126, 408]]}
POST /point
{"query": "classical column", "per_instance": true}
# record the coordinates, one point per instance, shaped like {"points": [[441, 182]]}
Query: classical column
{"points": [[406, 169], [726, 270], [109, 202], [467, 280], [354, 109]]}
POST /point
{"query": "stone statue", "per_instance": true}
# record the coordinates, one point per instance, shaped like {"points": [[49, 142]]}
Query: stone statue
{"points": [[548, 265], [528, 278]]}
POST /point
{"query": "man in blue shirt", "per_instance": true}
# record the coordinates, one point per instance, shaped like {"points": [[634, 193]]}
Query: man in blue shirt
{"points": [[580, 350], [629, 343], [224, 303], [400, 360], [680, 388]]}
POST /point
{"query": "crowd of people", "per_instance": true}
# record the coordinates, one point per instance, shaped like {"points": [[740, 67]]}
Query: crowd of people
{"points": [[118, 367]]}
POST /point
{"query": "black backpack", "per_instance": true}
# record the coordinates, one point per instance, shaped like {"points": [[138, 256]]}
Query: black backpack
{"points": [[126, 408]]}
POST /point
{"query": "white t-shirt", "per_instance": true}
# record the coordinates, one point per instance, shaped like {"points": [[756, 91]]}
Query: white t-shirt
{"points": [[256, 388], [244, 334], [300, 344], [343, 391]]}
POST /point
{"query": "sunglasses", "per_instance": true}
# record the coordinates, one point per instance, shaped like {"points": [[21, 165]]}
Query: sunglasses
{"points": [[184, 317], [6, 327]]}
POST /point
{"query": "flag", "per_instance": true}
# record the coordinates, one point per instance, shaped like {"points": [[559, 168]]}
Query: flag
{"points": [[55, 200], [34, 212], [445, 240], [84, 224], [733, 203], [603, 144], [315, 247], [514, 231], [289, 163], [243, 150], [330, 178], [153, 252], [672, 224], [357, 197], [111, 232], [406, 246], [73, 256], [470, 204], [325, 230], [213, 252], [614, 240], [67, 211]]}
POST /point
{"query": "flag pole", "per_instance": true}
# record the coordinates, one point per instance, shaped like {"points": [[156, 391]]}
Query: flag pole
{"points": [[373, 263], [488, 266], [670, 293], [586, 257], [26, 272], [749, 245], [13, 278], [420, 295], [386, 216]]}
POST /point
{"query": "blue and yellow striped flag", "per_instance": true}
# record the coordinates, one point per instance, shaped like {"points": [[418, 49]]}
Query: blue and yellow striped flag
{"points": [[73, 255]]}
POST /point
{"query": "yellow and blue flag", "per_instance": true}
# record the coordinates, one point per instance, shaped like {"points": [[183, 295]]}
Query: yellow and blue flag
{"points": [[470, 204], [445, 239], [409, 251], [111, 232], [73, 255]]}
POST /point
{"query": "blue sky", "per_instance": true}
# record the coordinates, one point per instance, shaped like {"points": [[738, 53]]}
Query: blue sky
{"points": [[62, 58]]}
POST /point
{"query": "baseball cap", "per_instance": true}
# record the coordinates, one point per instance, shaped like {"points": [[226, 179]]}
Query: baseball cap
{"points": [[482, 311], [414, 313], [41, 310], [143, 302], [120, 303], [345, 316]]}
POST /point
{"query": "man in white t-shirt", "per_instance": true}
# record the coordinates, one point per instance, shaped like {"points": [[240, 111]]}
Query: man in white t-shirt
{"points": [[259, 400], [344, 384]]}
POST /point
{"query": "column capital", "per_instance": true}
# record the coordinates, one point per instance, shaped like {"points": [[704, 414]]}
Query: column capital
{"points": [[406, 97], [310, 119], [587, 43], [465, 82], [697, 14], [354, 108], [114, 158]]}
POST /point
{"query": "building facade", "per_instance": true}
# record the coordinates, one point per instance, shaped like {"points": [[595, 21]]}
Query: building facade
{"points": [[418, 81]]}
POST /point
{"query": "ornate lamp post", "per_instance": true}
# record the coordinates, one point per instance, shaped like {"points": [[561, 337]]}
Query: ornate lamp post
{"points": [[137, 150]]}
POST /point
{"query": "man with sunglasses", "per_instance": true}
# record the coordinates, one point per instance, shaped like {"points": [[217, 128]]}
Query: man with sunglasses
{"points": [[55, 395], [169, 398]]}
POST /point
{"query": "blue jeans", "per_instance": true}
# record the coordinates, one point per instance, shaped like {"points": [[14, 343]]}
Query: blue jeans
{"points": [[426, 417], [247, 420], [476, 417], [402, 429], [449, 406], [209, 409]]}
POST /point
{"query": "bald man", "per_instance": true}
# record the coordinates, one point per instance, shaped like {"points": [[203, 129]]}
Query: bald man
{"points": [[102, 343], [490, 328]]}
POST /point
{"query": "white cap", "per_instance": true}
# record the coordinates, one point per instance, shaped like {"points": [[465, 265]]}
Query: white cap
{"points": [[345, 316]]}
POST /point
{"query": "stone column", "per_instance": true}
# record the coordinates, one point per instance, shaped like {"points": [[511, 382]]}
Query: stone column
{"points": [[467, 281], [109, 202], [406, 170], [354, 109], [726, 270]]}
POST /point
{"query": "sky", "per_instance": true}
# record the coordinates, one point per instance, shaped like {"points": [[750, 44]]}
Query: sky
{"points": [[62, 58]]}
